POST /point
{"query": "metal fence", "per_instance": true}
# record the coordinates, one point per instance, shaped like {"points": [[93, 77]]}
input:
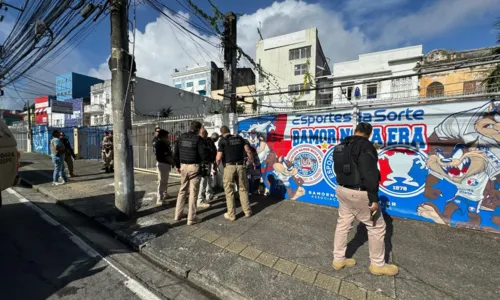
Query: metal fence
{"points": [[142, 138], [21, 135]]}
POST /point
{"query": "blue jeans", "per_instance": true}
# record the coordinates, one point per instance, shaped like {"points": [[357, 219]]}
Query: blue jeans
{"points": [[58, 168]]}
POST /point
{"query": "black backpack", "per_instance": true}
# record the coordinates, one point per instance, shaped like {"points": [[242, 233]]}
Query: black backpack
{"points": [[344, 164]]}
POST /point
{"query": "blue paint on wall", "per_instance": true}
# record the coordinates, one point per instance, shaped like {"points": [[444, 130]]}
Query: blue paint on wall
{"points": [[41, 139]]}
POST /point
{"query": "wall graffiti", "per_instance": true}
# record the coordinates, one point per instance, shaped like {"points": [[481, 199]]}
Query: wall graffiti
{"points": [[437, 164], [41, 139]]}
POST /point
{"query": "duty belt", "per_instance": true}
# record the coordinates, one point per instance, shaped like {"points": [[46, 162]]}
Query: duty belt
{"points": [[353, 187], [238, 163]]}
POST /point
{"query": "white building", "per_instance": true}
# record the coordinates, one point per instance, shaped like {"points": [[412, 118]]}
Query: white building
{"points": [[150, 99], [357, 78], [289, 62]]}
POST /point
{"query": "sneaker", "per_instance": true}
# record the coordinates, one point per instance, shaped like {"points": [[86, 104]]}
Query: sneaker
{"points": [[227, 217], [387, 269], [248, 215], [182, 216], [56, 183], [348, 262], [203, 205], [210, 198], [196, 220]]}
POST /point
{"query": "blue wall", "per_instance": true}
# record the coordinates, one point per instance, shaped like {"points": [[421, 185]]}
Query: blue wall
{"points": [[74, 85]]}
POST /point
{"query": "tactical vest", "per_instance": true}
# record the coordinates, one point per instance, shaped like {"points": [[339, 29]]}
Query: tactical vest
{"points": [[8, 157], [344, 165], [188, 148], [234, 149]]}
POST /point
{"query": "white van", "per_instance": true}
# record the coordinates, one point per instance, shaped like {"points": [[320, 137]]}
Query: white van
{"points": [[9, 159]]}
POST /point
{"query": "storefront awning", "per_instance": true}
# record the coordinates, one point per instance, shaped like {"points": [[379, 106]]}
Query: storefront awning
{"points": [[41, 110]]}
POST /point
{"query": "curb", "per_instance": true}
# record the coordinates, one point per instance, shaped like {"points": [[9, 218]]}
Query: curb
{"points": [[147, 252]]}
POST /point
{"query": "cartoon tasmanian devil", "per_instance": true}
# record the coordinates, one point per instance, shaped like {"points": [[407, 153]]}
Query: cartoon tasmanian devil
{"points": [[465, 169], [482, 125], [285, 172]]}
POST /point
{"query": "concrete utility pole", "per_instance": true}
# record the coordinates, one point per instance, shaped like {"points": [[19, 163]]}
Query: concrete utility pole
{"points": [[229, 44], [120, 65]]}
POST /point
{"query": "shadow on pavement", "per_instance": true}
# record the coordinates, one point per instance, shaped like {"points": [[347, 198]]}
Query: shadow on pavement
{"points": [[41, 261]]}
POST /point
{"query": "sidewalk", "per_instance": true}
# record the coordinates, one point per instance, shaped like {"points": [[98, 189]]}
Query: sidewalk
{"points": [[284, 250]]}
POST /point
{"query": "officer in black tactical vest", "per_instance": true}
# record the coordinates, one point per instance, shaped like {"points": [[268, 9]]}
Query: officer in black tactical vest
{"points": [[355, 163], [188, 155], [231, 152]]}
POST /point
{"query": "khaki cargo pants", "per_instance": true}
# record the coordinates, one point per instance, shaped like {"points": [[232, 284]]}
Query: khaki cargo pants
{"points": [[353, 204], [190, 182], [239, 173]]}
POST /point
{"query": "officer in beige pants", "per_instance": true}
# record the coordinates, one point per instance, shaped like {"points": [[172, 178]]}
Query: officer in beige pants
{"points": [[188, 156], [231, 152], [355, 164]]}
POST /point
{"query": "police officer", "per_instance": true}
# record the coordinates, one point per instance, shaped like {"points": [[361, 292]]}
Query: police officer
{"points": [[107, 145], [231, 153], [188, 156], [355, 164]]}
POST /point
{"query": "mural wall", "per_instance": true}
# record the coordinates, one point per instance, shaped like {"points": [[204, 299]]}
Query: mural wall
{"points": [[437, 164]]}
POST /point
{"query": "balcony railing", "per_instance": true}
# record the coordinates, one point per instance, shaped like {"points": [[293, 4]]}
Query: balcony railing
{"points": [[94, 109]]}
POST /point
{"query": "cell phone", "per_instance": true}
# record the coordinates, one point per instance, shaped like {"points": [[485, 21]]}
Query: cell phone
{"points": [[373, 215]]}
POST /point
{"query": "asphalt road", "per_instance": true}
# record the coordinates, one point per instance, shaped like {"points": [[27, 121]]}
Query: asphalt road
{"points": [[40, 258]]}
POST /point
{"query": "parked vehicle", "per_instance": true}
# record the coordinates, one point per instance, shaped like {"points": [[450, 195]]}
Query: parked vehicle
{"points": [[9, 159]]}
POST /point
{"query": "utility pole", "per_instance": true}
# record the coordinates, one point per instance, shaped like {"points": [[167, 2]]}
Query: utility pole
{"points": [[120, 65], [229, 43]]}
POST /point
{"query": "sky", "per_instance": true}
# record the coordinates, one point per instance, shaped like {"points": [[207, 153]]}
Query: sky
{"points": [[346, 29]]}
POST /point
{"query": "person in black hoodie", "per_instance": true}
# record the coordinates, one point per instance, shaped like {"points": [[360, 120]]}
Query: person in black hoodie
{"points": [[70, 154], [355, 162], [164, 163]]}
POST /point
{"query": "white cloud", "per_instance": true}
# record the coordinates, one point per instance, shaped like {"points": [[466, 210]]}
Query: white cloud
{"points": [[159, 51]]}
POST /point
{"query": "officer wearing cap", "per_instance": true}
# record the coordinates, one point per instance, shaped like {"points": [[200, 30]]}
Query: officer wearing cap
{"points": [[188, 155], [231, 152]]}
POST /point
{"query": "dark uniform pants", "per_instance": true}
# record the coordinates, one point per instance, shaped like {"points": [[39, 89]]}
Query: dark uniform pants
{"points": [[69, 161]]}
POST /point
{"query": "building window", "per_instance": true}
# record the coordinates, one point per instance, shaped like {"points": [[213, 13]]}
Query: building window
{"points": [[300, 69], [202, 93], [202, 82], [297, 87], [178, 86], [472, 87], [435, 89], [402, 87], [299, 53], [371, 91], [189, 84], [298, 104]]}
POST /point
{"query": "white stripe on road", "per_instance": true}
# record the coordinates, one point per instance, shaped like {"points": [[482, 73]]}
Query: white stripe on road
{"points": [[132, 284]]}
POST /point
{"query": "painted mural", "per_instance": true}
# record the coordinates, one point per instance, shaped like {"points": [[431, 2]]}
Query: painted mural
{"points": [[41, 139], [437, 164]]}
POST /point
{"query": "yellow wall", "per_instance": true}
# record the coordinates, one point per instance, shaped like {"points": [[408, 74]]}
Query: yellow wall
{"points": [[245, 91], [453, 81]]}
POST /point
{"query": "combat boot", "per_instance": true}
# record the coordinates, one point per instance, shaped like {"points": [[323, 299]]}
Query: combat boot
{"points": [[387, 269], [348, 262]]}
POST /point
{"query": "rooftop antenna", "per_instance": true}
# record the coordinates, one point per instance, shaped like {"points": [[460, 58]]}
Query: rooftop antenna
{"points": [[258, 30]]}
